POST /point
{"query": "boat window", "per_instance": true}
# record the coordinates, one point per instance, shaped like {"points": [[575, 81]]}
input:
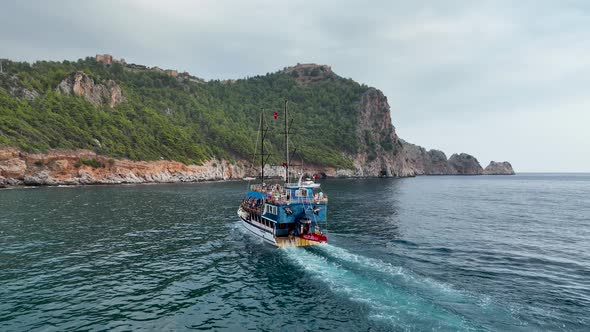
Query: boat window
{"points": [[301, 192], [271, 209]]}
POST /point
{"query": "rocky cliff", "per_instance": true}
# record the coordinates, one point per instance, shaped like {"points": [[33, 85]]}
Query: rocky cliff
{"points": [[86, 167], [79, 84], [465, 164], [381, 149], [423, 162], [382, 152], [174, 130], [499, 168], [435, 162]]}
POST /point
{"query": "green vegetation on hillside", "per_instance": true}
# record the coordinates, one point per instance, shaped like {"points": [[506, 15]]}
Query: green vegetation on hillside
{"points": [[167, 118]]}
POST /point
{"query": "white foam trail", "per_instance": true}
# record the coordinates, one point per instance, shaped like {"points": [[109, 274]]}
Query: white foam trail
{"points": [[387, 268], [385, 302], [425, 286]]}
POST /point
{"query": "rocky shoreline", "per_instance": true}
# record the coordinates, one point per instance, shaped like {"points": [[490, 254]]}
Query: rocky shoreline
{"points": [[83, 167]]}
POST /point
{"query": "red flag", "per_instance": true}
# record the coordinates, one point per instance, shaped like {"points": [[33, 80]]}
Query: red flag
{"points": [[276, 115]]}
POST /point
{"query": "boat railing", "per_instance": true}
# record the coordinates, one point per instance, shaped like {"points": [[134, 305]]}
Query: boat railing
{"points": [[256, 187], [283, 200], [251, 210]]}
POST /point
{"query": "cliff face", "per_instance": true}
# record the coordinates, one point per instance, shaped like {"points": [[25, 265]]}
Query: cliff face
{"points": [[435, 162], [381, 148], [499, 168], [422, 162], [80, 84], [86, 167]]}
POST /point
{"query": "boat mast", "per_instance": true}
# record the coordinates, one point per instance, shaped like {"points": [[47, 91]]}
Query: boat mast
{"points": [[286, 144], [262, 145]]}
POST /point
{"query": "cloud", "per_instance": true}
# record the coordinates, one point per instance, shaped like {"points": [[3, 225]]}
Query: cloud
{"points": [[455, 72]]}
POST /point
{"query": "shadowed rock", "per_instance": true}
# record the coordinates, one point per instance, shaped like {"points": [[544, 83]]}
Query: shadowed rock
{"points": [[465, 164], [499, 168]]}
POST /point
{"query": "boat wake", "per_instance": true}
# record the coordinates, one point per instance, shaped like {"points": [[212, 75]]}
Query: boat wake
{"points": [[394, 295]]}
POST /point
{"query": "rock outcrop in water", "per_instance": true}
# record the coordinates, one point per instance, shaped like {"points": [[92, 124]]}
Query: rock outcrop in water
{"points": [[499, 168], [435, 162], [465, 164], [79, 84]]}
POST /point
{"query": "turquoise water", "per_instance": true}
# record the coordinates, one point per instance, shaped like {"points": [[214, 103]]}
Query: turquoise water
{"points": [[428, 253]]}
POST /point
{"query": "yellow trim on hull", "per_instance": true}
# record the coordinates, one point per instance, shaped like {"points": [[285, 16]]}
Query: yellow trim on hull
{"points": [[283, 242]]}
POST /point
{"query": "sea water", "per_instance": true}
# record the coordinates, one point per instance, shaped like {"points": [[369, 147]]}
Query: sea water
{"points": [[449, 253]]}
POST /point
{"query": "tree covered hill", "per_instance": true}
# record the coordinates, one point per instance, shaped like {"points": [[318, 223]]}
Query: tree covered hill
{"points": [[159, 116]]}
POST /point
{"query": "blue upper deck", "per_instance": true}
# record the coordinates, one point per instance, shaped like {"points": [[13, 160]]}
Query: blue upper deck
{"points": [[306, 192], [289, 204], [257, 194]]}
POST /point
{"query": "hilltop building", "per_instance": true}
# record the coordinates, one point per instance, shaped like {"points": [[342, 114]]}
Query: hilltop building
{"points": [[108, 59]]}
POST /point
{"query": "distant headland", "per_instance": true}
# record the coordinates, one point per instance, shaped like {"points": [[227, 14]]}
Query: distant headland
{"points": [[103, 120]]}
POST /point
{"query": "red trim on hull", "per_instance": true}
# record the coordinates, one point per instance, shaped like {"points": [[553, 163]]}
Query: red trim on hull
{"points": [[314, 237]]}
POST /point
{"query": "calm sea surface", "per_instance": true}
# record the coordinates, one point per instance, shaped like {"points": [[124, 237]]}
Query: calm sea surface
{"points": [[429, 253]]}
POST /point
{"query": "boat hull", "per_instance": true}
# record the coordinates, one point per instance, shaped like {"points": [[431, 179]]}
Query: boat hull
{"points": [[267, 236], [259, 232]]}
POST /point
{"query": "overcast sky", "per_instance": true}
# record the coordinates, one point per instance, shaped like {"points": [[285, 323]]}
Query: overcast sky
{"points": [[502, 80]]}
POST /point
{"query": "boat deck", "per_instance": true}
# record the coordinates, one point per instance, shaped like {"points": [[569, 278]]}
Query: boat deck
{"points": [[283, 242]]}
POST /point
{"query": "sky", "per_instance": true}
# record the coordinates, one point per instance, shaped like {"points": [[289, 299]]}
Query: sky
{"points": [[501, 80]]}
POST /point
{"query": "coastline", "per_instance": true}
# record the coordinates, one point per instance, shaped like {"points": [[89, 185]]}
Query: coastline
{"points": [[69, 185], [84, 167]]}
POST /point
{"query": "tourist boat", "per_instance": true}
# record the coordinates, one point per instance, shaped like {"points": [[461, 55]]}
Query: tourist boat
{"points": [[284, 214]]}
